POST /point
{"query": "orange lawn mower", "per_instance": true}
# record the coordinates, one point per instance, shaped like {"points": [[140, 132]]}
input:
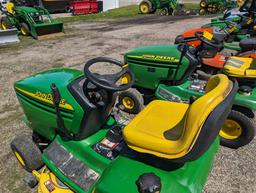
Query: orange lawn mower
{"points": [[208, 49]]}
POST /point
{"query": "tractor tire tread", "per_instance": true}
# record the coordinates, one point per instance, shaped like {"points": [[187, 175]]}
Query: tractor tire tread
{"points": [[6, 20], [248, 131], [138, 98], [29, 152]]}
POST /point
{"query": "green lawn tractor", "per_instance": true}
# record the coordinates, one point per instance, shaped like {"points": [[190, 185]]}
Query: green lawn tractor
{"points": [[34, 21], [233, 15], [78, 146], [176, 66], [244, 8], [167, 6], [215, 6], [229, 32]]}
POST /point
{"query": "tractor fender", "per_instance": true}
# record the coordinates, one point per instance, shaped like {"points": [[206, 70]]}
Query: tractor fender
{"points": [[246, 101]]}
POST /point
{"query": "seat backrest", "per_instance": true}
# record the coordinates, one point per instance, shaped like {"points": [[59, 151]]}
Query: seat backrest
{"points": [[206, 115]]}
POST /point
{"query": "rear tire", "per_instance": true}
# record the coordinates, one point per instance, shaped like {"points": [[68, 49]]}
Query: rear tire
{"points": [[145, 7], [203, 4], [27, 153], [131, 101], [24, 29], [237, 131], [5, 23]]}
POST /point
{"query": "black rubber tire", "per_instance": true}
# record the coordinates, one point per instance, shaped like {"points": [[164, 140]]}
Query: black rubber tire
{"points": [[28, 151], [202, 11], [67, 9], [25, 26], [248, 131], [8, 23], [137, 98], [164, 11], [150, 6], [203, 2]]}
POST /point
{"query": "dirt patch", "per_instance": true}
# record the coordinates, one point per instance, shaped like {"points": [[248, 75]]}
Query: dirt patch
{"points": [[234, 170]]}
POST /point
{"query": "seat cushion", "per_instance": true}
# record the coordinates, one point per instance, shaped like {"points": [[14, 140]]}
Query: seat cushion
{"points": [[248, 44], [240, 67], [157, 129]]}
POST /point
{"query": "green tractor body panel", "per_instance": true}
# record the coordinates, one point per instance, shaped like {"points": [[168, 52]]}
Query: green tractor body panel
{"points": [[114, 176], [152, 64], [232, 46], [220, 22], [159, 4], [34, 94], [182, 93], [37, 19]]}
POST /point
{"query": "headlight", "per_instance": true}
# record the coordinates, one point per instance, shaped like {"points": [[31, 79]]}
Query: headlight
{"points": [[169, 96]]}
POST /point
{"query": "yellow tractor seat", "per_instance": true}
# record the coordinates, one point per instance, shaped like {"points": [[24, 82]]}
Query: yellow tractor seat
{"points": [[240, 67], [182, 131]]}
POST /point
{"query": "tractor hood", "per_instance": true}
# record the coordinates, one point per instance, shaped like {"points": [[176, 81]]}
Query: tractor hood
{"points": [[34, 94], [154, 64], [38, 86], [164, 53]]}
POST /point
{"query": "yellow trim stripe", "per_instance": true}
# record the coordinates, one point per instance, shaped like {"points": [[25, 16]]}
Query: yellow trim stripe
{"points": [[155, 58], [33, 95]]}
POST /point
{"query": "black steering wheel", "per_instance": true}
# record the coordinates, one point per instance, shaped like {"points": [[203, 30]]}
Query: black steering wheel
{"points": [[109, 82], [213, 43]]}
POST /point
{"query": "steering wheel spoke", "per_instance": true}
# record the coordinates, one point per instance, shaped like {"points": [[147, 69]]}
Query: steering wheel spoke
{"points": [[108, 81]]}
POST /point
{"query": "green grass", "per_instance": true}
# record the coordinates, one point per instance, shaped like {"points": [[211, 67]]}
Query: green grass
{"points": [[123, 12], [191, 6]]}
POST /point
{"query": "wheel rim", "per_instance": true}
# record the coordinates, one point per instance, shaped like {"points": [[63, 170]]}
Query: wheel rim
{"points": [[144, 8], [19, 158], [23, 31], [203, 4], [125, 79], [128, 102], [231, 130], [202, 12], [4, 25]]}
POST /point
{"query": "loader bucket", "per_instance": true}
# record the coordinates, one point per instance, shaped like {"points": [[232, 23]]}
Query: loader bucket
{"points": [[9, 36], [47, 30]]}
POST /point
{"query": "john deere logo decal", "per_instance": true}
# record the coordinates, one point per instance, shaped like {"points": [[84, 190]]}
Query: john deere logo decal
{"points": [[154, 57], [46, 97]]}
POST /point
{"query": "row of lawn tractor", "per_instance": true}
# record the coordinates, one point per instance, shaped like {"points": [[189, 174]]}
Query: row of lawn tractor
{"points": [[216, 6], [180, 72], [188, 98], [168, 7]]}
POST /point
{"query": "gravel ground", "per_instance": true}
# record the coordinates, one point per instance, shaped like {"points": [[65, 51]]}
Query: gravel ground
{"points": [[234, 170]]}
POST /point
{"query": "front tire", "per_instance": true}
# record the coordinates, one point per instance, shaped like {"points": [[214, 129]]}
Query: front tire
{"points": [[237, 131], [5, 23], [27, 153], [24, 29], [202, 11], [131, 101]]}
